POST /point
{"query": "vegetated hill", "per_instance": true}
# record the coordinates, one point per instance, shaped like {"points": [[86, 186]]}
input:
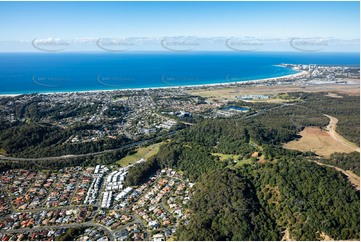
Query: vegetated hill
{"points": [[287, 191], [308, 199], [258, 202], [225, 207], [37, 140]]}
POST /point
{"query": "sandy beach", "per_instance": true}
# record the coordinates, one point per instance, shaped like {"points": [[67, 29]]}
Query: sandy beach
{"points": [[225, 84]]}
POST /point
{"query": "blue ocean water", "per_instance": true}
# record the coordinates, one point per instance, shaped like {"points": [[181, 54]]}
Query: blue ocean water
{"points": [[22, 73]]}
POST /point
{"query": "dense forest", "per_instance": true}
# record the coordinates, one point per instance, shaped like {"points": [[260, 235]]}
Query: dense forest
{"points": [[225, 207], [260, 202], [307, 199], [139, 172], [349, 161], [36, 140]]}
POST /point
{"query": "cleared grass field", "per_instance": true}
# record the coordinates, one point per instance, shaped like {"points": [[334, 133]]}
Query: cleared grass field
{"points": [[2, 151], [142, 152], [318, 141], [223, 157], [239, 163], [244, 162]]}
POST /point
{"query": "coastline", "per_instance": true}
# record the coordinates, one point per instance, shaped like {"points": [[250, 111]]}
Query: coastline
{"points": [[253, 81]]}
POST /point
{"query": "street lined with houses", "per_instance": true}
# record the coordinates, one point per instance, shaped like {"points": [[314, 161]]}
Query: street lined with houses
{"points": [[84, 199]]}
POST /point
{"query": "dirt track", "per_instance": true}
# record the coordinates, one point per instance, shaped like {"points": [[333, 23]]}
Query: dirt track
{"points": [[331, 128], [353, 178]]}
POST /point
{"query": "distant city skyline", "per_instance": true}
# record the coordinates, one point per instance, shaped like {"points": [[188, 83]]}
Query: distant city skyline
{"points": [[268, 26]]}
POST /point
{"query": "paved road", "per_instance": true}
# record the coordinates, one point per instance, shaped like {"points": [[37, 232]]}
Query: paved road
{"points": [[83, 155]]}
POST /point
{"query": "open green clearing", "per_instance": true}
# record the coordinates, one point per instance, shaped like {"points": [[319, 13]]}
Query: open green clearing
{"points": [[142, 152]]}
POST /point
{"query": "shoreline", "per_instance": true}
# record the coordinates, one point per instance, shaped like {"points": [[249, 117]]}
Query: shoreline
{"points": [[253, 81]]}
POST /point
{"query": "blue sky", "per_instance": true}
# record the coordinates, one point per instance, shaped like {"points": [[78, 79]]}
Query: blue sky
{"points": [[26, 21]]}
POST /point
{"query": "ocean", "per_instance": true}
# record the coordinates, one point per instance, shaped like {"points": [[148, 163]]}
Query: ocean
{"points": [[24, 73]]}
